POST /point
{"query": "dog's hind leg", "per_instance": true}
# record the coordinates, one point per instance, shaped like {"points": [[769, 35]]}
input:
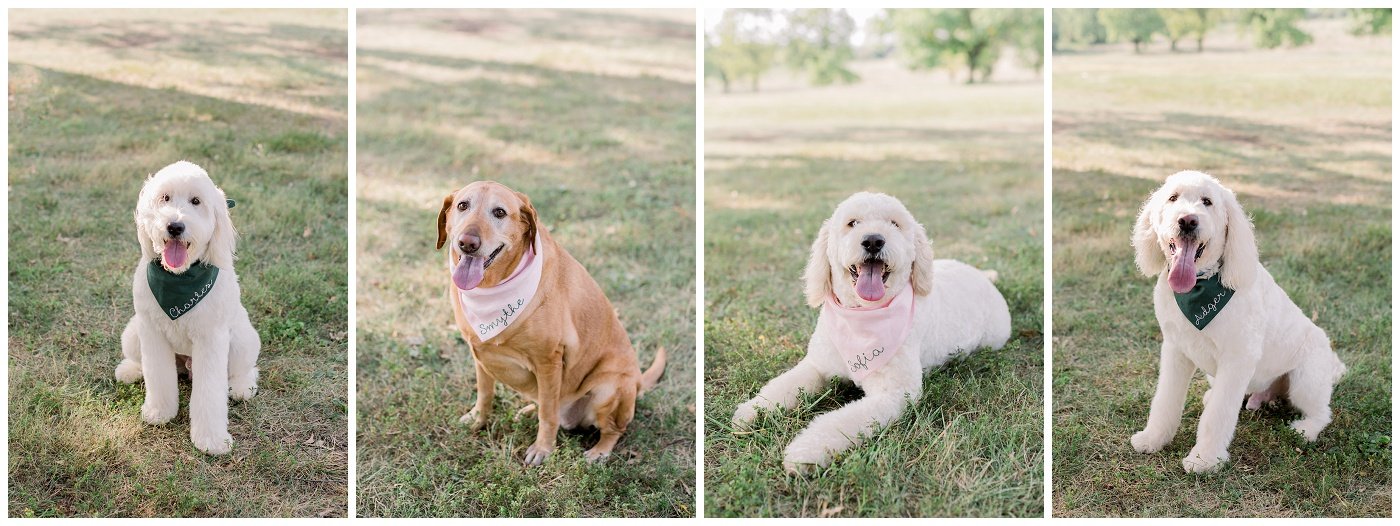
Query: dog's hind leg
{"points": [[1310, 386], [129, 370], [780, 392], [612, 418], [244, 346]]}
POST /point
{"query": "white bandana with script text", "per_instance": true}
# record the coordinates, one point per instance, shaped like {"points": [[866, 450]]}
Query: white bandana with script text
{"points": [[490, 310], [868, 337]]}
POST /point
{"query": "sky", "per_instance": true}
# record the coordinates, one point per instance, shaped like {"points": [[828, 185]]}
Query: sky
{"points": [[861, 15]]}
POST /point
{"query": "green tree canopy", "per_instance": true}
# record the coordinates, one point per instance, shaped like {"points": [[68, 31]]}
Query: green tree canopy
{"points": [[968, 39], [818, 42], [1077, 27], [1131, 25], [1370, 21], [1192, 23], [738, 49], [1275, 27]]}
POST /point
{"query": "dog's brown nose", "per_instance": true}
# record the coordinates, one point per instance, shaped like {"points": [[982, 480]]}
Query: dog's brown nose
{"points": [[1188, 223], [469, 243]]}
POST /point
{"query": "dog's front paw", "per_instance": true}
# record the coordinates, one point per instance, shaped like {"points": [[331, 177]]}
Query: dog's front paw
{"points": [[802, 456], [1308, 428], [473, 419], [536, 453], [1149, 442], [1201, 461], [156, 414], [243, 387], [128, 372], [212, 443], [744, 415], [594, 455]]}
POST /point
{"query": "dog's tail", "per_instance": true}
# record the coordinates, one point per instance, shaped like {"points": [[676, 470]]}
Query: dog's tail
{"points": [[653, 373]]}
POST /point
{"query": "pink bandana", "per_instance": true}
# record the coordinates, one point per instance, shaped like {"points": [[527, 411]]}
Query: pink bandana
{"points": [[491, 309], [868, 337]]}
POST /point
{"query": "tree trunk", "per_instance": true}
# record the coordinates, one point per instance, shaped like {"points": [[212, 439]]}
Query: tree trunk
{"points": [[1174, 45], [1200, 44]]}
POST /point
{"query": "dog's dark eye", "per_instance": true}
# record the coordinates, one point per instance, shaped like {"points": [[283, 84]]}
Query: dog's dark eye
{"points": [[463, 205], [1205, 201], [1172, 199], [498, 212], [194, 201], [853, 222], [165, 198], [895, 223]]}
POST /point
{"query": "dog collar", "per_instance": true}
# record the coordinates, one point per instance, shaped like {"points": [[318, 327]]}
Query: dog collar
{"points": [[490, 310], [1204, 301], [179, 293], [868, 337]]}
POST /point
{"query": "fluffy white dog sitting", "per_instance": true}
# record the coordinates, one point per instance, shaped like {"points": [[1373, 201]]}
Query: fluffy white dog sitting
{"points": [[1220, 311], [188, 304], [889, 312]]}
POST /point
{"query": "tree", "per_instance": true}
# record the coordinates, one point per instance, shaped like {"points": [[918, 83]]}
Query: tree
{"points": [[1275, 27], [1188, 23], [818, 43], [968, 39], [1077, 27], [739, 49], [1132, 25], [1370, 21]]}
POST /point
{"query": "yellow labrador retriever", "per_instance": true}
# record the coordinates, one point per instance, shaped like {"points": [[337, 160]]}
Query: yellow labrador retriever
{"points": [[537, 321]]}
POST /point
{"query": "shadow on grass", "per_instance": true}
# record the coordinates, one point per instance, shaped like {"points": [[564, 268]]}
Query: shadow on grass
{"points": [[955, 452], [80, 150], [1333, 261]]}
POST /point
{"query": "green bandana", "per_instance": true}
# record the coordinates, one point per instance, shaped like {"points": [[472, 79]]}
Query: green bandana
{"points": [[178, 293], [1204, 301]]}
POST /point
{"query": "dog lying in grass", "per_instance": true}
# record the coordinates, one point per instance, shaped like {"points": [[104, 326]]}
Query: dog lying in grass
{"points": [[188, 306], [1221, 312], [890, 311]]}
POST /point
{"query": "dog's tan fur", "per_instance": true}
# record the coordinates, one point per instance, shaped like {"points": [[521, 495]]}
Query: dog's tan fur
{"points": [[569, 354]]}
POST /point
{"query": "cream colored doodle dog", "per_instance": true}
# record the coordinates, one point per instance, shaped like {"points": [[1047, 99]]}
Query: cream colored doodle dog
{"points": [[1221, 312], [889, 311], [188, 305]]}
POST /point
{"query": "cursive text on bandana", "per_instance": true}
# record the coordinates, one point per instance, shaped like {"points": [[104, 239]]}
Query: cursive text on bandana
{"points": [[490, 310], [1204, 301], [868, 337], [178, 293]]}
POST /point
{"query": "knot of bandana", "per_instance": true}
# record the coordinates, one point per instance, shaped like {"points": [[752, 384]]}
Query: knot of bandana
{"points": [[179, 293], [1203, 302]]}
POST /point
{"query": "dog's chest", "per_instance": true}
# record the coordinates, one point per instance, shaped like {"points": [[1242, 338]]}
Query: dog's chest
{"points": [[508, 366]]}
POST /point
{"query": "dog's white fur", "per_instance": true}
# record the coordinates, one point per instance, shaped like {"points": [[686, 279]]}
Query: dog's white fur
{"points": [[957, 310], [216, 334], [1260, 344]]}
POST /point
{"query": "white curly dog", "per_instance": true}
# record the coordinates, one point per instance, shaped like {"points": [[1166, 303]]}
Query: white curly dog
{"points": [[873, 274], [1221, 311], [188, 304]]}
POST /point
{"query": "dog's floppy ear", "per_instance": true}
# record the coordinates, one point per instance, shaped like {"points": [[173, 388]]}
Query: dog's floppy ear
{"points": [[818, 272], [1241, 257], [922, 273], [1149, 256], [442, 219], [527, 214], [223, 242]]}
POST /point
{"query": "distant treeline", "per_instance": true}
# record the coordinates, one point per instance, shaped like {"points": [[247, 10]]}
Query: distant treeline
{"points": [[1269, 28], [819, 43]]}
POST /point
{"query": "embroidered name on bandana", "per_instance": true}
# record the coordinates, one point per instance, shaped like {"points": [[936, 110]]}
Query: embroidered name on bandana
{"points": [[490, 310], [868, 337], [179, 293], [1204, 301]]}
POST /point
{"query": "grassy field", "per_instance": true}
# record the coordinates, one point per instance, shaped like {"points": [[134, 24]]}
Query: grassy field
{"points": [[967, 163], [98, 100], [1303, 136], [594, 118]]}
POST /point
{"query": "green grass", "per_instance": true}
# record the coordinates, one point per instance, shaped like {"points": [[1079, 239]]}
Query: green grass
{"points": [[81, 145], [972, 444], [606, 153], [1304, 138]]}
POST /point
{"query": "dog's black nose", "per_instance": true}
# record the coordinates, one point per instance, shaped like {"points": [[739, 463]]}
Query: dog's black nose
{"points": [[469, 243], [873, 243], [175, 229], [1187, 223]]}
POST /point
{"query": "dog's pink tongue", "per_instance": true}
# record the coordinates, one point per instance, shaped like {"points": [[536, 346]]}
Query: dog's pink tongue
{"points": [[174, 254], [1183, 275], [868, 283], [469, 272]]}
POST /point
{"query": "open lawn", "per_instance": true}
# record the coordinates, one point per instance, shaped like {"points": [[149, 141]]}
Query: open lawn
{"points": [[966, 160], [590, 113], [1303, 136], [98, 100]]}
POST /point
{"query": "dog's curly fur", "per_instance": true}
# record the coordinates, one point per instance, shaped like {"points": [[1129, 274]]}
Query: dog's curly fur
{"points": [[216, 336]]}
